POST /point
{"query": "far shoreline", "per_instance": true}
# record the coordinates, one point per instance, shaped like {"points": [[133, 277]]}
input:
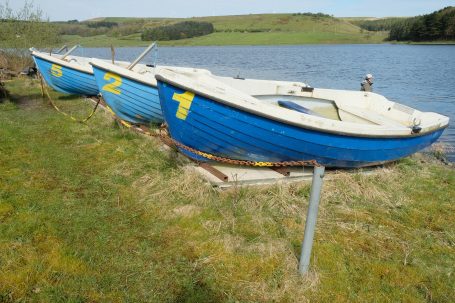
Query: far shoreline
{"points": [[251, 40]]}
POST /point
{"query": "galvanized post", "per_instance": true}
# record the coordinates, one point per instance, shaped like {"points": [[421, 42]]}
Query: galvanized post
{"points": [[310, 225]]}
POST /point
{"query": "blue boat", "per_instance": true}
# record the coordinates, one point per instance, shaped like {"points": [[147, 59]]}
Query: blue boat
{"points": [[131, 94], [275, 121], [66, 74]]}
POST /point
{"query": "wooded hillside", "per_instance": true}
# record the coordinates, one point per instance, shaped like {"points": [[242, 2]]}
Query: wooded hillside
{"points": [[439, 25]]}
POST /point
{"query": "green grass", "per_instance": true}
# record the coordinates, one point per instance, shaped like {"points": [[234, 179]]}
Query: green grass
{"points": [[234, 38], [95, 213], [280, 22], [274, 22], [275, 38], [264, 29], [105, 41]]}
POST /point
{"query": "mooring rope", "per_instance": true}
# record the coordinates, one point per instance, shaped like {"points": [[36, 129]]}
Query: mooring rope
{"points": [[164, 136], [44, 91]]}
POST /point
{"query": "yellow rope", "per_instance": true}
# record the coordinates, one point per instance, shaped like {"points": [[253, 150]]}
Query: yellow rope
{"points": [[44, 90]]}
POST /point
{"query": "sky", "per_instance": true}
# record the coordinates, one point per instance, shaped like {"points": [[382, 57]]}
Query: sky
{"points": [[62, 10]]}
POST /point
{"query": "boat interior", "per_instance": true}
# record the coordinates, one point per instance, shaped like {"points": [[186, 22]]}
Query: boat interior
{"points": [[341, 105], [349, 106]]}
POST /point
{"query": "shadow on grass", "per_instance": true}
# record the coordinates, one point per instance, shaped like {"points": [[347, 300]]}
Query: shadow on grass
{"points": [[3, 92], [199, 292], [69, 97], [25, 101]]}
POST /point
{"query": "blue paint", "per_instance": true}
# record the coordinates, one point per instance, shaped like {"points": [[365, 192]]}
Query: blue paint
{"points": [[72, 80], [226, 131], [296, 107], [137, 102]]}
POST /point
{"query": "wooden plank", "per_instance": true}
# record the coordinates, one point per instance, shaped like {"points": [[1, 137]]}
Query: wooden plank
{"points": [[214, 172], [249, 176], [282, 170]]}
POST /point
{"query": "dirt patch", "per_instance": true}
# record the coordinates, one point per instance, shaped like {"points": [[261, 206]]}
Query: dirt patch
{"points": [[25, 93], [27, 102]]}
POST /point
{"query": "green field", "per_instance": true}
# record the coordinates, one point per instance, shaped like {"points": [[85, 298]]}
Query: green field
{"points": [[233, 38], [104, 41], [247, 30], [95, 213]]}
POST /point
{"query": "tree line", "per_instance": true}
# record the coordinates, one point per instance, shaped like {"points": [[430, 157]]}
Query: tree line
{"points": [[384, 24], [181, 30], [439, 25]]}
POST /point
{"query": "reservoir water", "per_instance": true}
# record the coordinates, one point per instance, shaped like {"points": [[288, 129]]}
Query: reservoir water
{"points": [[420, 76]]}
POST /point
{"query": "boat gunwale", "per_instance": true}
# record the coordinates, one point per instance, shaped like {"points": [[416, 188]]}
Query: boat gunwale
{"points": [[61, 62], [132, 78], [163, 79]]}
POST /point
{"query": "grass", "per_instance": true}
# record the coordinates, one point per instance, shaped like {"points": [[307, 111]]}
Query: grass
{"points": [[95, 213], [105, 41], [12, 61], [234, 38], [263, 29]]}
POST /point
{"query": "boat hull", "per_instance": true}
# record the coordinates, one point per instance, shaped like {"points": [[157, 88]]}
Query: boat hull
{"points": [[132, 101], [66, 80], [218, 129]]}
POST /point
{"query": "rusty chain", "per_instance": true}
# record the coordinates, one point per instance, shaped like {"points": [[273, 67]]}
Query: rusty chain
{"points": [[164, 136], [243, 162]]}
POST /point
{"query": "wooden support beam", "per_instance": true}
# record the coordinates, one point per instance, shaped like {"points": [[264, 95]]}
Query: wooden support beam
{"points": [[282, 170], [214, 172]]}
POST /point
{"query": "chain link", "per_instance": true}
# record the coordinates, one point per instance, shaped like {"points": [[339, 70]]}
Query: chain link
{"points": [[243, 162], [164, 136]]}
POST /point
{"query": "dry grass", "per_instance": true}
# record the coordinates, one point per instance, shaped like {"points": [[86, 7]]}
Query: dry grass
{"points": [[15, 62]]}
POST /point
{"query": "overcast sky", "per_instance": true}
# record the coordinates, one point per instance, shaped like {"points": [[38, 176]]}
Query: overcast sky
{"points": [[58, 10]]}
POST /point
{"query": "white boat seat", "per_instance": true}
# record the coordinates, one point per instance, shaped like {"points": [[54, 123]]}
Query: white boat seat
{"points": [[373, 117]]}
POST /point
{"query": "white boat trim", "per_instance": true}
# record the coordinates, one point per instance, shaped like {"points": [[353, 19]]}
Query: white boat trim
{"points": [[73, 62], [141, 73]]}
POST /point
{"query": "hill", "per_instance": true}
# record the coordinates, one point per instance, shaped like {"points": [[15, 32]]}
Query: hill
{"points": [[259, 29]]}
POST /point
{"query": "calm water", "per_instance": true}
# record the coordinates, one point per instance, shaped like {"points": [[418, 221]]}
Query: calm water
{"points": [[421, 76]]}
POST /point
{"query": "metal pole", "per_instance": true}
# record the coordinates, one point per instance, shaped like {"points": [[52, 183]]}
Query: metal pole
{"points": [[310, 225], [61, 49], [113, 54], [69, 52], [141, 56]]}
